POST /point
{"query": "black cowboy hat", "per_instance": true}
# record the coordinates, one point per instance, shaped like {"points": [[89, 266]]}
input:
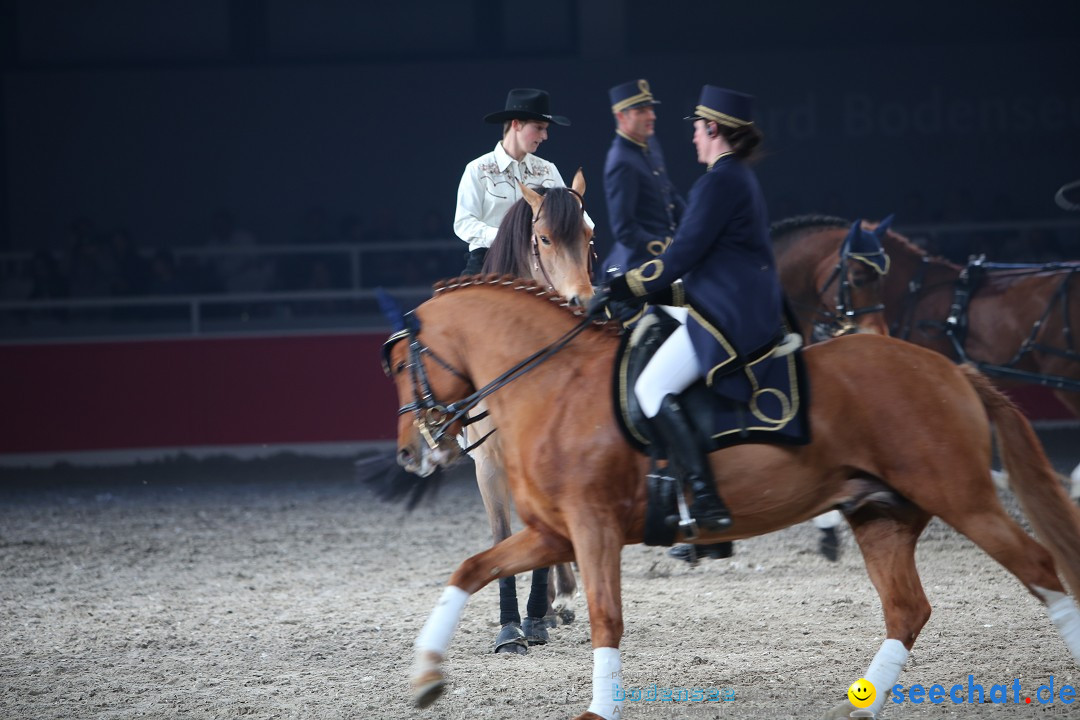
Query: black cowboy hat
{"points": [[526, 104]]}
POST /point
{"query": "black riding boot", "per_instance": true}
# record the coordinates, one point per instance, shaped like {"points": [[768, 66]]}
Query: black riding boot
{"points": [[686, 453]]}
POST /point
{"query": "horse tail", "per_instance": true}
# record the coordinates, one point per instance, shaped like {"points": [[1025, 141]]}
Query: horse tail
{"points": [[1053, 516]]}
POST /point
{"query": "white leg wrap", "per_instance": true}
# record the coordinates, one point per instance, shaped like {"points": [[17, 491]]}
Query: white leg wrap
{"points": [[440, 625], [1065, 616], [607, 689], [828, 520], [884, 670]]}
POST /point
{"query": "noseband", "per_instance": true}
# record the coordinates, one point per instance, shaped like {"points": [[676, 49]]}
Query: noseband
{"points": [[538, 263], [431, 416], [434, 419]]}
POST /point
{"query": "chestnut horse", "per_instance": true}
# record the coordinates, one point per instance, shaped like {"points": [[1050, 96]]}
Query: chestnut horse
{"points": [[543, 237], [1017, 323], [832, 292], [888, 457]]}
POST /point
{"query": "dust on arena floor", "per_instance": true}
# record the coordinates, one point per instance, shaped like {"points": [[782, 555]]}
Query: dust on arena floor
{"points": [[285, 588]]}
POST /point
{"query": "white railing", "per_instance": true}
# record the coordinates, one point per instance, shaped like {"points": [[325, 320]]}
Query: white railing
{"points": [[352, 307]]}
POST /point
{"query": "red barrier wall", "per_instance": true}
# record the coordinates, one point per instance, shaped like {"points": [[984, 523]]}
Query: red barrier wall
{"points": [[194, 392], [207, 392]]}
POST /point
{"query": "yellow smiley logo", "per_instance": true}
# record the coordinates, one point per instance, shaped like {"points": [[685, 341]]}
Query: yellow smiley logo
{"points": [[861, 693]]}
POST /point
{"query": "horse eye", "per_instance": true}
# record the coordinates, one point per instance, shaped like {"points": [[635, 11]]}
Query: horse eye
{"points": [[545, 239], [400, 367]]}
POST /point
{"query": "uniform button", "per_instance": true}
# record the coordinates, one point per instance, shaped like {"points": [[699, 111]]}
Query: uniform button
{"points": [[671, 206], [655, 172]]}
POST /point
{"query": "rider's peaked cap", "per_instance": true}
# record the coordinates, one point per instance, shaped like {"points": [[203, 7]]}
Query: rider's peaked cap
{"points": [[635, 93], [526, 104], [727, 107]]}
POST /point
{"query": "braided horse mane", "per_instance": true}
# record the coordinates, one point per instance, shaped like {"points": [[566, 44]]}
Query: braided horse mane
{"points": [[785, 230], [517, 284], [789, 226]]}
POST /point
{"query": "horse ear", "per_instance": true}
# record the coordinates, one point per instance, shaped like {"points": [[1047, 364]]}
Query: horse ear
{"points": [[579, 183], [531, 196], [391, 309], [883, 226]]}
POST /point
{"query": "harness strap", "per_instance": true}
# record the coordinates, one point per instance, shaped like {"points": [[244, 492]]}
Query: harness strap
{"points": [[915, 286]]}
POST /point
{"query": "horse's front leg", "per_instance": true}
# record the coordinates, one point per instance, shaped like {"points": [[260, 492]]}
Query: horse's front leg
{"points": [[598, 548], [522, 551]]}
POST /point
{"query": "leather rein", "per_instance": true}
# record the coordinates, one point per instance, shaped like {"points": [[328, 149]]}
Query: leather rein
{"points": [[433, 419]]}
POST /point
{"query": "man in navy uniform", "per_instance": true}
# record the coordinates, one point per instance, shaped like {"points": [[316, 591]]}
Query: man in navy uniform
{"points": [[643, 206]]}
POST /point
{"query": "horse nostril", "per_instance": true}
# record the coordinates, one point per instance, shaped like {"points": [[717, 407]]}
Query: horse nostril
{"points": [[575, 301], [404, 457]]}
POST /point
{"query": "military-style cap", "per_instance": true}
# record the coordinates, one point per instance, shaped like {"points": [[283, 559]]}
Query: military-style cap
{"points": [[631, 94], [727, 107]]}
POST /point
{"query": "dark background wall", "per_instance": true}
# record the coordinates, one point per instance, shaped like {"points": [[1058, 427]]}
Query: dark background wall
{"points": [[151, 114]]}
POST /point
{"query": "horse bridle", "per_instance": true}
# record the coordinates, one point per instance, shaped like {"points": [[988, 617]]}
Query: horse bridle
{"points": [[433, 419], [843, 315], [538, 262]]}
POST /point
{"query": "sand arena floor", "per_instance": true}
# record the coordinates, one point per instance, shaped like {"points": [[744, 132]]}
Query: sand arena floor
{"points": [[285, 589]]}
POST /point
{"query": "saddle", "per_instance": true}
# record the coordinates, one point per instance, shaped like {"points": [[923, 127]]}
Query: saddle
{"points": [[775, 414]]}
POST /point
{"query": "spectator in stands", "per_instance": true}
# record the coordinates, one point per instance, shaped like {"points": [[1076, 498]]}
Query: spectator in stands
{"points": [[132, 272], [434, 227], [350, 230], [47, 282], [90, 269], [245, 272], [164, 277]]}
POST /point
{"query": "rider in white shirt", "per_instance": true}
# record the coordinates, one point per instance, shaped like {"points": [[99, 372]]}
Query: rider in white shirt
{"points": [[489, 185]]}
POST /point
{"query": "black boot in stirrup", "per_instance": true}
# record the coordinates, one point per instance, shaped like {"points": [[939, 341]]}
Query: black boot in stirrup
{"points": [[687, 454]]}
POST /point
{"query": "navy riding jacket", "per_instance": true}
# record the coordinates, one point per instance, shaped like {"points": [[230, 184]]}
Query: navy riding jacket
{"points": [[644, 208], [723, 255]]}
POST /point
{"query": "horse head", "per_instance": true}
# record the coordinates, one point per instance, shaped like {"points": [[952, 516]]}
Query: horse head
{"points": [[427, 386], [560, 240], [864, 263]]}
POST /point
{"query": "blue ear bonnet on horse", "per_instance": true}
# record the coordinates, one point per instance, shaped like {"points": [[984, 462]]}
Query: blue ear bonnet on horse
{"points": [[865, 246], [398, 318]]}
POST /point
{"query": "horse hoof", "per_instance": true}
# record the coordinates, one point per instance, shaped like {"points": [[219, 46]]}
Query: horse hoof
{"points": [[551, 621], [535, 630], [567, 615], [839, 712], [829, 545], [427, 688], [511, 639], [686, 553]]}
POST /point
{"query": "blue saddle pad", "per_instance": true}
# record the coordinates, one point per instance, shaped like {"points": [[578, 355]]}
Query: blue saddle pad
{"points": [[776, 412]]}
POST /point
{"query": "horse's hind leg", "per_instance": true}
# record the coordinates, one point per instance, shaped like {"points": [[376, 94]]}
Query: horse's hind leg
{"points": [[520, 552], [1005, 541], [491, 479], [561, 593], [888, 547]]}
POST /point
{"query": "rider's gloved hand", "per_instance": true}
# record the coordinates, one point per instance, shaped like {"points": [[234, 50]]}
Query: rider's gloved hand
{"points": [[597, 306]]}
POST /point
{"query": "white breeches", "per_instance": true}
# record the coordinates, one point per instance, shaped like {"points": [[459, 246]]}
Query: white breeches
{"points": [[671, 370]]}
